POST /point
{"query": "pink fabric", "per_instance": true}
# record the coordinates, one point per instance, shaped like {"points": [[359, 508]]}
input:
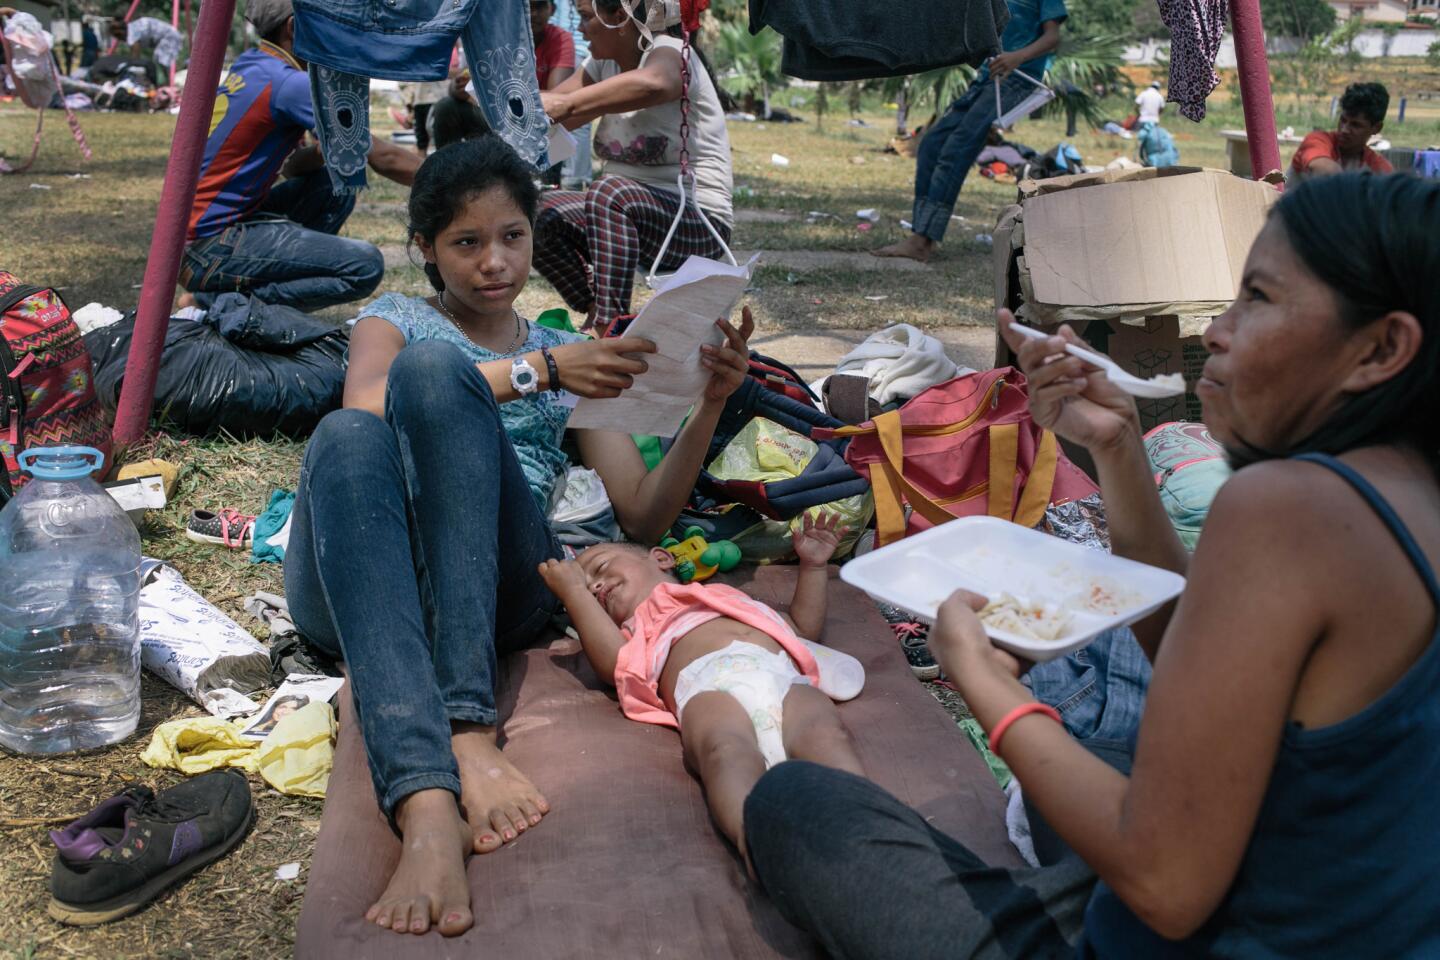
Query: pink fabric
{"points": [[673, 611]]}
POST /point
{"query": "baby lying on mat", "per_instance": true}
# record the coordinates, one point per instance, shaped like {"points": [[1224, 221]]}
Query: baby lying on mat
{"points": [[730, 673]]}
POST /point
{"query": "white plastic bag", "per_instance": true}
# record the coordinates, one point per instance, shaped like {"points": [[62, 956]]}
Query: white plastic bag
{"points": [[188, 642]]}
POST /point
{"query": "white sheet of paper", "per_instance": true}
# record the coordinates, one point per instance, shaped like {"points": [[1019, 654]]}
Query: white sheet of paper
{"points": [[679, 318]]}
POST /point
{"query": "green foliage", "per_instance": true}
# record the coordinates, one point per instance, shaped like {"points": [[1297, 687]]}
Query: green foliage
{"points": [[1432, 54], [748, 66], [1081, 66], [1305, 19], [1310, 72], [1103, 18]]}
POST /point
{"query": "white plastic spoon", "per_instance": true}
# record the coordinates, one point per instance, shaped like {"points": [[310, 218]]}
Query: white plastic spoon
{"points": [[1165, 385]]}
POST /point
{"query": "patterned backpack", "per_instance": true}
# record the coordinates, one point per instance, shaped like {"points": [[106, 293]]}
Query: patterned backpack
{"points": [[47, 393]]}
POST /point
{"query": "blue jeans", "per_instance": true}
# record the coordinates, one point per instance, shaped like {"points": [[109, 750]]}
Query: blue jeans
{"points": [[287, 253], [1100, 693], [413, 557], [949, 148], [412, 40]]}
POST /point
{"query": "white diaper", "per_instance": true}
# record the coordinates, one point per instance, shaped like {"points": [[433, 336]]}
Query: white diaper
{"points": [[755, 677]]}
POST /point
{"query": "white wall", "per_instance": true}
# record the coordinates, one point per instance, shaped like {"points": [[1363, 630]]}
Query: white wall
{"points": [[1369, 43]]}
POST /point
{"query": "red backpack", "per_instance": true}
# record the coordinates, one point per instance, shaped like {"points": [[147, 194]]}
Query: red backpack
{"points": [[47, 392]]}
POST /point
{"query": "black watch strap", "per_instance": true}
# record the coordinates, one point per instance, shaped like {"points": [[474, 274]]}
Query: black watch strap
{"points": [[552, 368]]}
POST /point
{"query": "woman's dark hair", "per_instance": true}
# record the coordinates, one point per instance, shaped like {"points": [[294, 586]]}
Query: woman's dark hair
{"points": [[1371, 240], [612, 7], [451, 176]]}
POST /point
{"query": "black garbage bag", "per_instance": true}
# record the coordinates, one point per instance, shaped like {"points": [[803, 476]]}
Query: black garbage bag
{"points": [[249, 368]]}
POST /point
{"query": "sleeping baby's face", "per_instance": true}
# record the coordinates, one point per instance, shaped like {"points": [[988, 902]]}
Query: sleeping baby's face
{"points": [[622, 575]]}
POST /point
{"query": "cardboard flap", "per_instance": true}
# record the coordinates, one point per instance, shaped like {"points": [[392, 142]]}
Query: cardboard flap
{"points": [[1163, 238]]}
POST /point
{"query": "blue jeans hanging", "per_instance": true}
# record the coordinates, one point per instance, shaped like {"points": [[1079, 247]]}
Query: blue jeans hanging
{"points": [[412, 40]]}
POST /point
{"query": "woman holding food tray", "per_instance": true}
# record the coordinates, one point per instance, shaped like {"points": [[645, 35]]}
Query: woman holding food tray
{"points": [[1282, 792]]}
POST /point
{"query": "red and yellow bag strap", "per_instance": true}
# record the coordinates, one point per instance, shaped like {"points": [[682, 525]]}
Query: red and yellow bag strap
{"points": [[1035, 495], [890, 519]]}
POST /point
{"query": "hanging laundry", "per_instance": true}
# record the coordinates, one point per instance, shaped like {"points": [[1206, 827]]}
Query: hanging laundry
{"points": [[346, 44], [860, 40], [1196, 29]]}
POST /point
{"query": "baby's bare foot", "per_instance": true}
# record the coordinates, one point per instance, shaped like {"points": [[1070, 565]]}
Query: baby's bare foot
{"points": [[499, 802], [429, 885]]}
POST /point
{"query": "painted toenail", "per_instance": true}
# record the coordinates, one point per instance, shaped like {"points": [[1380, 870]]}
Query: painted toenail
{"points": [[453, 918]]}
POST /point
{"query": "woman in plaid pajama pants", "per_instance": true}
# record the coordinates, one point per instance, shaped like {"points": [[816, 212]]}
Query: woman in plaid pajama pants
{"points": [[589, 244]]}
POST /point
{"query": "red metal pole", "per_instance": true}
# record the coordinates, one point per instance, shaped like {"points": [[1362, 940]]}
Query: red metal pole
{"points": [[174, 22], [1253, 68], [157, 292]]}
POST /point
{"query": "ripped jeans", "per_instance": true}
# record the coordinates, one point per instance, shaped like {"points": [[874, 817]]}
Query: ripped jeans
{"points": [[413, 557]]}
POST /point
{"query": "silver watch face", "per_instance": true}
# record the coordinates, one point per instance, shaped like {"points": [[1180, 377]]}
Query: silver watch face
{"points": [[523, 376]]}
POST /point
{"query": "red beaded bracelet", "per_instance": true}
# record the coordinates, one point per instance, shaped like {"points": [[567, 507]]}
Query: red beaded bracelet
{"points": [[1023, 710]]}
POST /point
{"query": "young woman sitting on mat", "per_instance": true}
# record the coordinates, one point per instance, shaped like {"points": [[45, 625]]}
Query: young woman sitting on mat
{"points": [[421, 522], [1282, 793]]}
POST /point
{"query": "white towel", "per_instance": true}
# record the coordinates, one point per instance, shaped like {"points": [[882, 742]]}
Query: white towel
{"points": [[900, 361]]}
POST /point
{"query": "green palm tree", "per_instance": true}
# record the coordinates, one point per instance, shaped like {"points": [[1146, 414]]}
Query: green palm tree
{"points": [[749, 65]]}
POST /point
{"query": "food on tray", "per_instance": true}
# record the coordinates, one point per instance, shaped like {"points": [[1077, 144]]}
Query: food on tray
{"points": [[1033, 621], [1108, 598]]}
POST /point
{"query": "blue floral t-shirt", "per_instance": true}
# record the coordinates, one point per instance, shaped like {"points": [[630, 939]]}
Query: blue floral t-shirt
{"points": [[534, 424]]}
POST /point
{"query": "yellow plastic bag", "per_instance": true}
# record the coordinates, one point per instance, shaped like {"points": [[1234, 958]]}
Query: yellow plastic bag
{"points": [[297, 756], [197, 744], [765, 451]]}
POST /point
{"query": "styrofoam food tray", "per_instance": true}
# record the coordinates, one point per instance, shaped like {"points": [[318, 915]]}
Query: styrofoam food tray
{"points": [[991, 556]]}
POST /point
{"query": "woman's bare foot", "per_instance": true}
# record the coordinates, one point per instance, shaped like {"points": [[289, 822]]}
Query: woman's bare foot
{"points": [[428, 886], [499, 802], [913, 247]]}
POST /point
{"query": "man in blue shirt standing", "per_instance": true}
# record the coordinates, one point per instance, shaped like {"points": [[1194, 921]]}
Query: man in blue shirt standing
{"points": [[949, 148]]}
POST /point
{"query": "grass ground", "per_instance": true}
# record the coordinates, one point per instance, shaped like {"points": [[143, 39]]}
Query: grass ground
{"points": [[89, 236]]}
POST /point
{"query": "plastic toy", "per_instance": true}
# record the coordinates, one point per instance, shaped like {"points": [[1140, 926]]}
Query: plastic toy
{"points": [[696, 559]]}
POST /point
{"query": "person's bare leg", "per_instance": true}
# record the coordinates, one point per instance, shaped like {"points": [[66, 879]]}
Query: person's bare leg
{"points": [[498, 801], [813, 731], [913, 247], [721, 748], [428, 886], [186, 299]]}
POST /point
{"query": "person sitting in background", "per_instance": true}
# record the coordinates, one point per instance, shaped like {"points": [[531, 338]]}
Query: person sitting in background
{"points": [[279, 244], [589, 243], [554, 47], [554, 59], [1362, 115]]}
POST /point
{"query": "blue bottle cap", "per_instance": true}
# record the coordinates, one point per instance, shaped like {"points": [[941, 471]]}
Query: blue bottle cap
{"points": [[61, 463]]}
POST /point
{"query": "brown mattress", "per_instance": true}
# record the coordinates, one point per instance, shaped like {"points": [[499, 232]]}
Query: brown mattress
{"points": [[628, 863]]}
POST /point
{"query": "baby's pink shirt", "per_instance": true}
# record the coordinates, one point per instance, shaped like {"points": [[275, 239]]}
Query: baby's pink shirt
{"points": [[669, 613]]}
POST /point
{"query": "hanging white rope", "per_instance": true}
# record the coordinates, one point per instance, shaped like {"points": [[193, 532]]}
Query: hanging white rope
{"points": [[686, 196]]}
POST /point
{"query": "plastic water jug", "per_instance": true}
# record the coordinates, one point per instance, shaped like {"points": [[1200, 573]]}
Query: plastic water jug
{"points": [[69, 603]]}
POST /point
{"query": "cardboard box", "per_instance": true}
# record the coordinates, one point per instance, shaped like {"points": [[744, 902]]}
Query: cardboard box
{"points": [[1136, 261]]}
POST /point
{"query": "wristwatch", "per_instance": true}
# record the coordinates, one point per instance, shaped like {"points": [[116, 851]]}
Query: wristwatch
{"points": [[523, 377]]}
